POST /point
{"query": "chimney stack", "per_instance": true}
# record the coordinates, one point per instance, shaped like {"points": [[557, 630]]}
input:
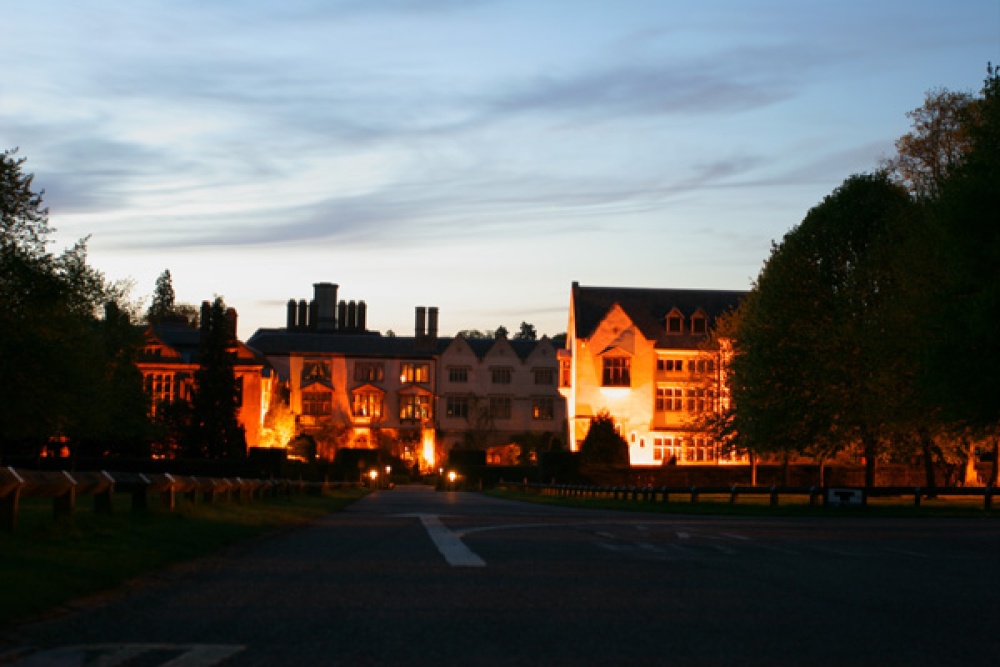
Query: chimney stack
{"points": [[362, 317], [432, 323], [231, 321], [420, 329], [290, 316], [325, 298]]}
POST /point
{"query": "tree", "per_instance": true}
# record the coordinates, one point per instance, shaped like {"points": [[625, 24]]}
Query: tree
{"points": [[937, 145], [962, 374], [501, 332], [526, 332], [604, 444], [812, 366], [162, 306], [216, 432], [65, 371]]}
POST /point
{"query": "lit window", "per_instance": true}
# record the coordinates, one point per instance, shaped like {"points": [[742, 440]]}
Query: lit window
{"points": [[413, 373], [414, 408], [317, 403], [543, 408], [617, 372], [501, 375], [565, 373], [367, 404]]}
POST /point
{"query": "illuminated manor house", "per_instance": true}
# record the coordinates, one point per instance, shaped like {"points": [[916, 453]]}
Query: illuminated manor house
{"points": [[169, 360], [418, 396], [637, 354]]}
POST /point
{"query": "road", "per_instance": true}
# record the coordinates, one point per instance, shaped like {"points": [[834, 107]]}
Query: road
{"points": [[417, 577]]}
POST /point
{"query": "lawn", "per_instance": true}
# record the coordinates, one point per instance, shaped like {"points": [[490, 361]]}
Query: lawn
{"points": [[46, 563]]}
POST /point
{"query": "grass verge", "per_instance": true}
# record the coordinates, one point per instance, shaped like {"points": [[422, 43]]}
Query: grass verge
{"points": [[47, 563], [719, 505]]}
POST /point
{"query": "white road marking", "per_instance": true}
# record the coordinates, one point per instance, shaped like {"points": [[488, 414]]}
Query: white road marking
{"points": [[110, 655], [736, 537], [450, 544]]}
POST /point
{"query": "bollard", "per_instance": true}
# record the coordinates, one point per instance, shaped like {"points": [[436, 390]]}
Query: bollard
{"points": [[916, 497], [774, 496], [733, 494]]}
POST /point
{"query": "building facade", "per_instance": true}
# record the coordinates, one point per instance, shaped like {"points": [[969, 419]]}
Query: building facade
{"points": [[169, 360], [639, 354], [417, 396]]}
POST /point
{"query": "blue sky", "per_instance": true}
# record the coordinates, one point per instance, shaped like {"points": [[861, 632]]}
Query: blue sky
{"points": [[474, 155]]}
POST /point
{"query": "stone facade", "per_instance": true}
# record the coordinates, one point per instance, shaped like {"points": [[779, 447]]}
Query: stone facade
{"points": [[639, 354]]}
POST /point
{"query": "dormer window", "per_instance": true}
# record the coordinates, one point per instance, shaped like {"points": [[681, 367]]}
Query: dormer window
{"points": [[699, 323], [675, 322]]}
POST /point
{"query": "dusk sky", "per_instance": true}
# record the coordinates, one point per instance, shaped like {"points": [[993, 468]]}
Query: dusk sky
{"points": [[474, 155]]}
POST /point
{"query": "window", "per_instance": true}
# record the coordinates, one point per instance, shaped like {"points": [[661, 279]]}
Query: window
{"points": [[317, 403], [670, 365], [411, 373], [669, 399], [565, 372], [414, 408], [500, 407], [666, 449], [458, 374], [675, 323], [162, 388], [369, 371], [699, 324], [545, 376], [315, 371], [695, 400], [457, 406], [543, 408], [617, 372], [367, 404], [702, 366], [501, 375]]}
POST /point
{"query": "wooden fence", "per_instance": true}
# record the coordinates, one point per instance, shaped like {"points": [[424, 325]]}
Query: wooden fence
{"points": [[65, 487], [828, 496]]}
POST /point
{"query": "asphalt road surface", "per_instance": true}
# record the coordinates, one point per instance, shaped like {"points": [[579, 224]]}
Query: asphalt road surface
{"points": [[417, 577]]}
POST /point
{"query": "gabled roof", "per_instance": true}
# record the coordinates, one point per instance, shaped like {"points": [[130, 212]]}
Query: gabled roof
{"points": [[648, 308]]}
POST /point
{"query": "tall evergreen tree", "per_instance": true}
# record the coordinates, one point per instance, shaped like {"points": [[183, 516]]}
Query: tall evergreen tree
{"points": [[162, 306], [216, 432]]}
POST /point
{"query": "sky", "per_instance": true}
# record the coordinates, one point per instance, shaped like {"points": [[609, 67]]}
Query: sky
{"points": [[474, 155]]}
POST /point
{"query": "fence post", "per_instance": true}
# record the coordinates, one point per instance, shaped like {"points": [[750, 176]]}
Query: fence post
{"points": [[8, 509], [102, 500], [63, 504]]}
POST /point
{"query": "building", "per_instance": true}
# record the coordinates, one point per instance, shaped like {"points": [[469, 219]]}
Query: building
{"points": [[638, 354], [494, 392], [416, 396], [169, 359]]}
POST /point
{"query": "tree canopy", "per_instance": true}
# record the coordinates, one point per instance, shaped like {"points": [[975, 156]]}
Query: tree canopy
{"points": [[68, 374]]}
